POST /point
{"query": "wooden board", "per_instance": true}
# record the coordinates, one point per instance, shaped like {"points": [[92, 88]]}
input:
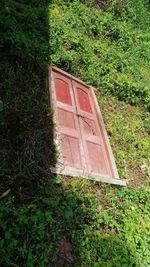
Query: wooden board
{"points": [[80, 133]]}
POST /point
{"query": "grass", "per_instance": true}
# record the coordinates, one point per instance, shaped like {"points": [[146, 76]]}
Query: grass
{"points": [[103, 225], [47, 220], [107, 49], [129, 136]]}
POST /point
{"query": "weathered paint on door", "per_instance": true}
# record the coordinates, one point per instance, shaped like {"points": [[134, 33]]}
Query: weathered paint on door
{"points": [[84, 147]]}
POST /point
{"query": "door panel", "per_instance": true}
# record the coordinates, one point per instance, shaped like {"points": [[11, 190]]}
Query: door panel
{"points": [[95, 151], [83, 100], [66, 118], [96, 158], [63, 91], [70, 150], [89, 127], [68, 125]]}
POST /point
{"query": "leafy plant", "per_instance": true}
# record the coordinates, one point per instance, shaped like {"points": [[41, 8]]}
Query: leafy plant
{"points": [[113, 234], [109, 49]]}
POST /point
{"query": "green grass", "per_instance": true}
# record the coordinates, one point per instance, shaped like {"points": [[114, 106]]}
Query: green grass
{"points": [[104, 225], [128, 130], [104, 48]]}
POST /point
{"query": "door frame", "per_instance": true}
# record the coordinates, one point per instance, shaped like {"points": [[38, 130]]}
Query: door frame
{"points": [[70, 171]]}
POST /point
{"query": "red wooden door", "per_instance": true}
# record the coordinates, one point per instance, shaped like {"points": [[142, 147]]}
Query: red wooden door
{"points": [[84, 145], [72, 154], [93, 143]]}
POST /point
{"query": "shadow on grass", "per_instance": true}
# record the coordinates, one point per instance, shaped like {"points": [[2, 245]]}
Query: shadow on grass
{"points": [[27, 148]]}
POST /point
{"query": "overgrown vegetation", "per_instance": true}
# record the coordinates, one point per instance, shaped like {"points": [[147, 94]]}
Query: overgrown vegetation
{"points": [[47, 220], [105, 226], [128, 130], [107, 49]]}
